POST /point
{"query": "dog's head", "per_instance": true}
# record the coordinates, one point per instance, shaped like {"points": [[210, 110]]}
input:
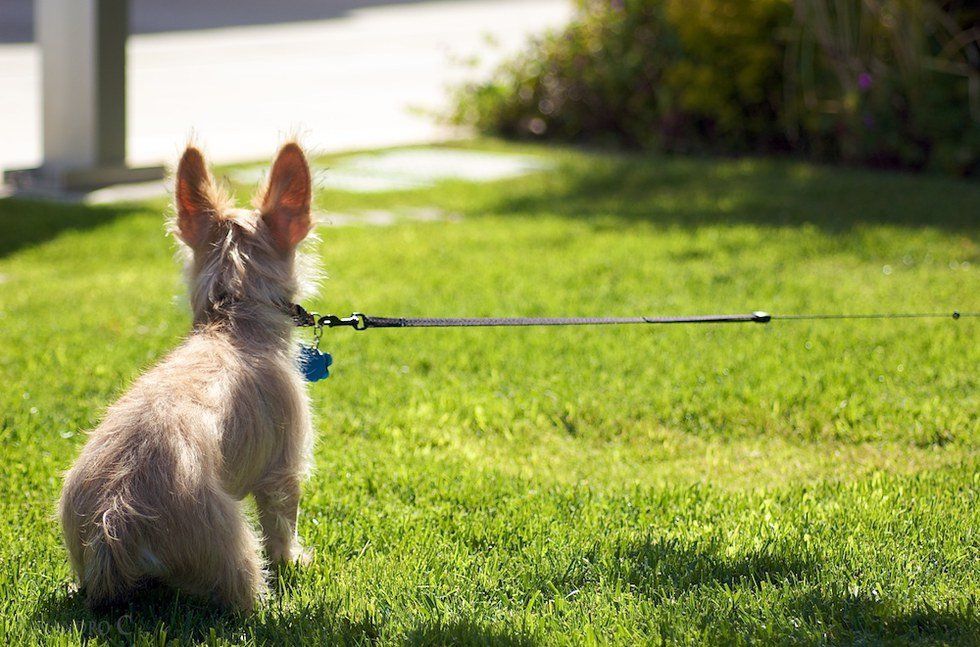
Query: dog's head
{"points": [[242, 260]]}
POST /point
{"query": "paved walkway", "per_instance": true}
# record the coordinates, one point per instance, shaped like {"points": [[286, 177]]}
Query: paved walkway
{"points": [[362, 78]]}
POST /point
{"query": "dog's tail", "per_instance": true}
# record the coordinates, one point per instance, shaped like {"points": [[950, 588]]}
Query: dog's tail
{"points": [[109, 569]]}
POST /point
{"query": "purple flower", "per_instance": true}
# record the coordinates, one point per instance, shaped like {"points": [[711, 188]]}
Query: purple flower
{"points": [[868, 121], [865, 81]]}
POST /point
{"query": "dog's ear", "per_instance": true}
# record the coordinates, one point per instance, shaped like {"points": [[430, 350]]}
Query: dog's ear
{"points": [[286, 202], [194, 194]]}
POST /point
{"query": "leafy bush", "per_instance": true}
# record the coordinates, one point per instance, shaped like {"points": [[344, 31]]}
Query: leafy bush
{"points": [[887, 83], [884, 82]]}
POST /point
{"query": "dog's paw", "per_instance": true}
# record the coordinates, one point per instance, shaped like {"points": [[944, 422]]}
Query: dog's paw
{"points": [[303, 556], [295, 556]]}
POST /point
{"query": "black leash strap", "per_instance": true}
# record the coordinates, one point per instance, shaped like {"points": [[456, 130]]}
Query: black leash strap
{"points": [[437, 322], [360, 321]]}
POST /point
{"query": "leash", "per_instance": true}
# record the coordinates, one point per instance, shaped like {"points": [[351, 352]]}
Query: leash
{"points": [[360, 321], [315, 364]]}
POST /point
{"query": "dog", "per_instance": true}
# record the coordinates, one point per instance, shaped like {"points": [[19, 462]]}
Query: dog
{"points": [[156, 493]]}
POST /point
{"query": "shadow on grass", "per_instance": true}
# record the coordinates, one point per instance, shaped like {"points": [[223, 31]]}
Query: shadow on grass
{"points": [[691, 192], [673, 191], [161, 614], [665, 570], [25, 223], [775, 597], [464, 633]]}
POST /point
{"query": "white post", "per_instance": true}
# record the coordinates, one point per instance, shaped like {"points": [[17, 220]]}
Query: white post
{"points": [[83, 90], [68, 34]]}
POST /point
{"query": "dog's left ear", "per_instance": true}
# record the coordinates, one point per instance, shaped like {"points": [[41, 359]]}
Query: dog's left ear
{"points": [[286, 203], [194, 195]]}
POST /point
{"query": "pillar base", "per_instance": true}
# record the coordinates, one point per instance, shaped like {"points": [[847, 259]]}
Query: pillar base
{"points": [[54, 182]]}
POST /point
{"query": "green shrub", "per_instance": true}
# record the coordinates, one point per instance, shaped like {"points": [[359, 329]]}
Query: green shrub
{"points": [[889, 82], [886, 83], [726, 78]]}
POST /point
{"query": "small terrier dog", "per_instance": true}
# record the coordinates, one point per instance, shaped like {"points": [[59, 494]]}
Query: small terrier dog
{"points": [[156, 493]]}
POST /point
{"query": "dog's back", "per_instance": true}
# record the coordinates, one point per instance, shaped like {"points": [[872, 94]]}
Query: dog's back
{"points": [[149, 496]]}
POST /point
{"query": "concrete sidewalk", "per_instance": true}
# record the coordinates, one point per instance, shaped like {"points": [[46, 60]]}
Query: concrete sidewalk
{"points": [[355, 81]]}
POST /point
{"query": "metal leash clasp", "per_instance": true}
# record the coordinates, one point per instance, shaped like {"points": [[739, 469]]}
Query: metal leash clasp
{"points": [[357, 321]]}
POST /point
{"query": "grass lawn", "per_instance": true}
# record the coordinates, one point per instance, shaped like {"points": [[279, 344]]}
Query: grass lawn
{"points": [[801, 482]]}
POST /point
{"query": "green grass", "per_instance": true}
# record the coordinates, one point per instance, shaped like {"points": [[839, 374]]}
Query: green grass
{"points": [[801, 482]]}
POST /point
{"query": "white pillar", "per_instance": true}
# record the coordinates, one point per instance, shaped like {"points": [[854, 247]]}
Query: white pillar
{"points": [[83, 97]]}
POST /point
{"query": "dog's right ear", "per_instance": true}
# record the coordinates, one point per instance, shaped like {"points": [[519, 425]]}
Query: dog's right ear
{"points": [[194, 195], [286, 203]]}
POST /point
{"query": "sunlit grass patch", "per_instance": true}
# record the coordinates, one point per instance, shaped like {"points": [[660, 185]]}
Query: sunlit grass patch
{"points": [[797, 483]]}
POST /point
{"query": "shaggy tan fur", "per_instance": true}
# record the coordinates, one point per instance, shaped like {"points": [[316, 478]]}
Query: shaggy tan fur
{"points": [[156, 492]]}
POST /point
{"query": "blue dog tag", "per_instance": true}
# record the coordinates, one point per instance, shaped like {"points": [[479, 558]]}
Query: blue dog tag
{"points": [[314, 364]]}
